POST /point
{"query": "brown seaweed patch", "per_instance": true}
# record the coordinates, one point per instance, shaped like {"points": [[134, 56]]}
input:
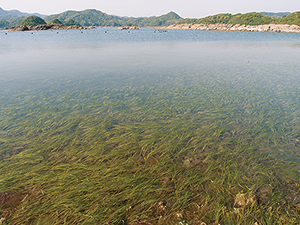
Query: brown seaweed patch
{"points": [[10, 199]]}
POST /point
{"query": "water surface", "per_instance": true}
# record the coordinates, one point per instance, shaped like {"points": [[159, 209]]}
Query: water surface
{"points": [[123, 111]]}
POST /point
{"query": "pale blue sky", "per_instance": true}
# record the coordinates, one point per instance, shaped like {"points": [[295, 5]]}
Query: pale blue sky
{"points": [[185, 8]]}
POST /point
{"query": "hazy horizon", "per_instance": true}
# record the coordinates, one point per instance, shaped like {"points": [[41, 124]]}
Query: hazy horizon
{"points": [[135, 8]]}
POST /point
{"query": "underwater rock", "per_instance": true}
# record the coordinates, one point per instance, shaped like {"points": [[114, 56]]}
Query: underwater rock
{"points": [[152, 160], [160, 208], [1, 220], [168, 182], [179, 216], [10, 199], [195, 162], [243, 200], [186, 162]]}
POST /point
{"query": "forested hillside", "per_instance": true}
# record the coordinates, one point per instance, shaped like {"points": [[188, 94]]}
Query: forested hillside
{"points": [[252, 18], [92, 17]]}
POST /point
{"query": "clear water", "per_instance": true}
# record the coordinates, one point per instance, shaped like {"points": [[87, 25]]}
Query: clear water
{"points": [[60, 62], [68, 98], [72, 53]]}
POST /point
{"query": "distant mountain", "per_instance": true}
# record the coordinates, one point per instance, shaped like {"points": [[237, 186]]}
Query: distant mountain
{"points": [[3, 23], [89, 17], [93, 17], [16, 21], [275, 15], [293, 18], [252, 18], [164, 20], [8, 14]]}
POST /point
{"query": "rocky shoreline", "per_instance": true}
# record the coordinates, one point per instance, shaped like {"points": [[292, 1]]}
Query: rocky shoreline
{"points": [[284, 28], [47, 27]]}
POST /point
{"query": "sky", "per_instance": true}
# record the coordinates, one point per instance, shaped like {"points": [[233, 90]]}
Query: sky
{"points": [[136, 8]]}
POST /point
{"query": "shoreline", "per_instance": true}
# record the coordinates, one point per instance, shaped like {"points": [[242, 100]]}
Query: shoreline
{"points": [[47, 27], [275, 28]]}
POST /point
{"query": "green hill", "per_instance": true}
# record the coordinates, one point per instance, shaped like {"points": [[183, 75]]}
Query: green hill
{"points": [[293, 18], [247, 19], [219, 18], [32, 21], [63, 17], [3, 23], [56, 21], [92, 17], [252, 18], [71, 22], [164, 20]]}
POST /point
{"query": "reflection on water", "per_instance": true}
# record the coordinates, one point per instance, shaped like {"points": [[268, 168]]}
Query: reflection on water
{"points": [[129, 110]]}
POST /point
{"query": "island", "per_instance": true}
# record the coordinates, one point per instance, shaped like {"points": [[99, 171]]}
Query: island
{"points": [[249, 22], [32, 23], [47, 27]]}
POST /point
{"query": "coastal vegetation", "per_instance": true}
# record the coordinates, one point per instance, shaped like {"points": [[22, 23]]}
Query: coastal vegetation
{"points": [[3, 23], [55, 21], [71, 22], [293, 18], [251, 19], [32, 21], [16, 21], [245, 19]]}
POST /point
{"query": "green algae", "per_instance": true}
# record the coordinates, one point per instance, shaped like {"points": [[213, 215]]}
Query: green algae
{"points": [[176, 149]]}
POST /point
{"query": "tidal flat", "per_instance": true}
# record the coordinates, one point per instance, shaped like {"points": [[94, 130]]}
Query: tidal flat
{"points": [[182, 127]]}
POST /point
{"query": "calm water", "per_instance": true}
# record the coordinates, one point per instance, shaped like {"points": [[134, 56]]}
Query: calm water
{"points": [[236, 68], [115, 113], [258, 69]]}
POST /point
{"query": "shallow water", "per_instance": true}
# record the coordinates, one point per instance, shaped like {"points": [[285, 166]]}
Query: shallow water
{"points": [[184, 95]]}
